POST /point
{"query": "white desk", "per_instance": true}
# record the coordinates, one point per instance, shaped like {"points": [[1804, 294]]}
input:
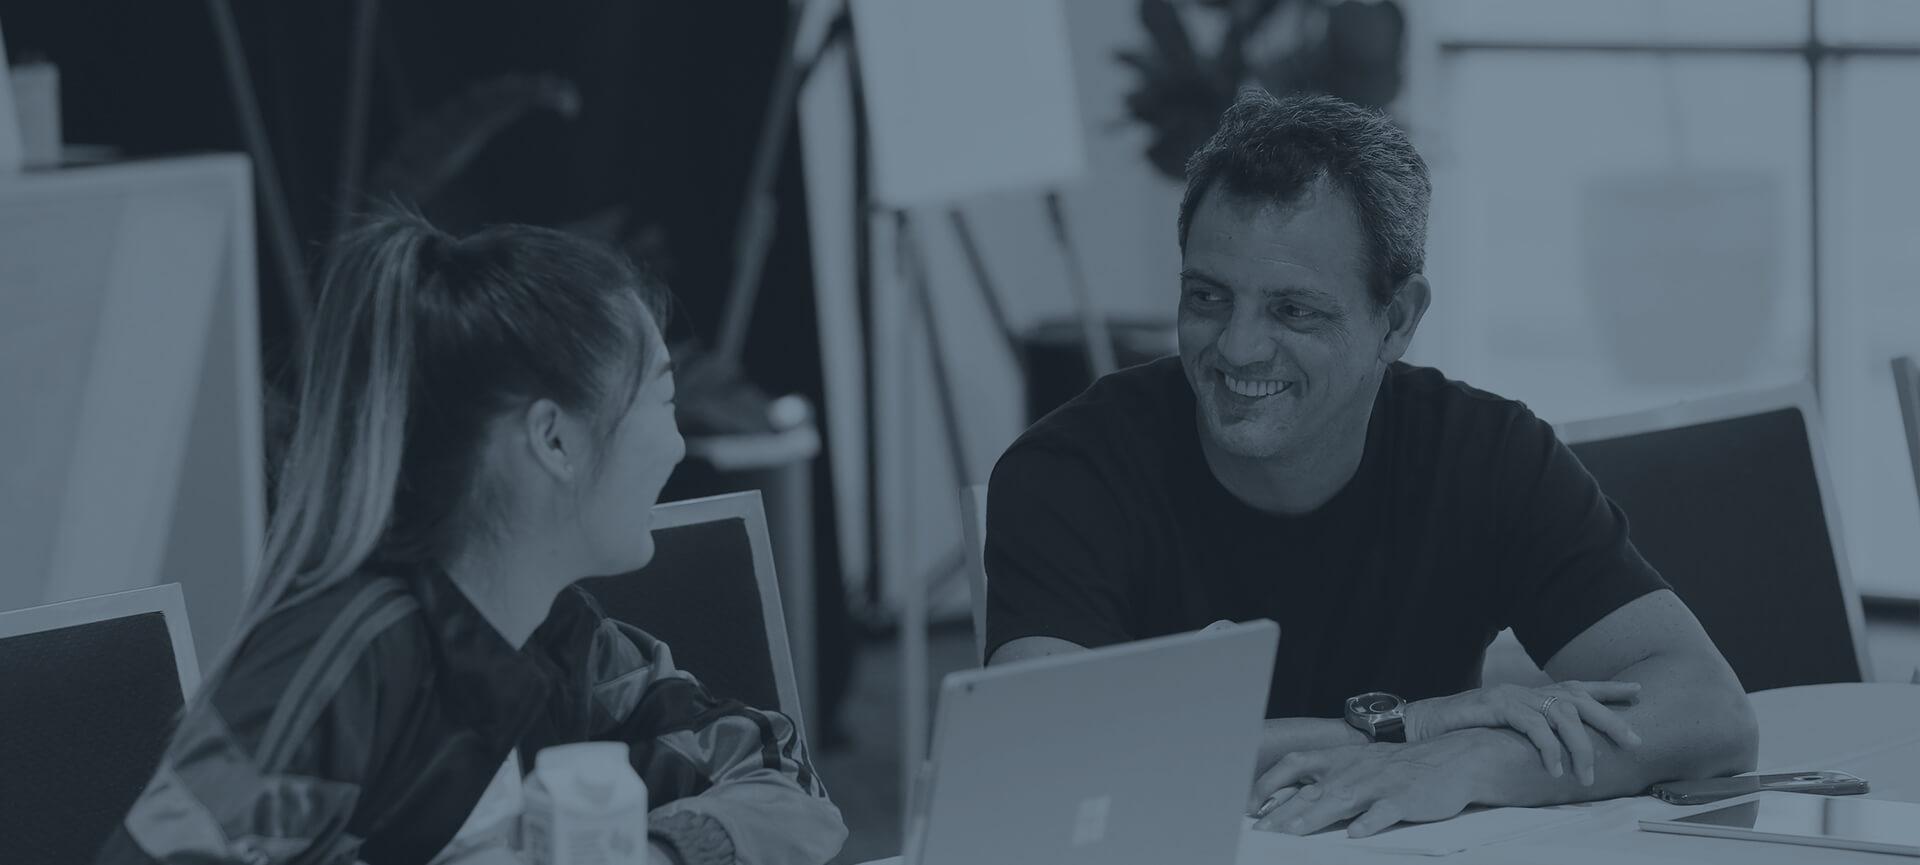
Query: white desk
{"points": [[1870, 730]]}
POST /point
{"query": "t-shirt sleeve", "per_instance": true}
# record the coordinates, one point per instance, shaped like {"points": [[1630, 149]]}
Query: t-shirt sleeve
{"points": [[1566, 559], [1061, 559]]}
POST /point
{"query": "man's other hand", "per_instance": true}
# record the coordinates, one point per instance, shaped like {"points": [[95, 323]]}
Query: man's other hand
{"points": [[1554, 717]]}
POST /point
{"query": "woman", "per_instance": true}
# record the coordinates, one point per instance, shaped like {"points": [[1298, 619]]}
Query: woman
{"points": [[483, 421]]}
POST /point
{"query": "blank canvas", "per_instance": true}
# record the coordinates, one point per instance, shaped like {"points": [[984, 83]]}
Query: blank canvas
{"points": [[967, 97], [129, 358]]}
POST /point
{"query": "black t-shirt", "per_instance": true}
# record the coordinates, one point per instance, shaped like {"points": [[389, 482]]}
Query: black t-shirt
{"points": [[1466, 516]]}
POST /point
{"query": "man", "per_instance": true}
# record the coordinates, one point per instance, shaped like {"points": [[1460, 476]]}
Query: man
{"points": [[1288, 466]]}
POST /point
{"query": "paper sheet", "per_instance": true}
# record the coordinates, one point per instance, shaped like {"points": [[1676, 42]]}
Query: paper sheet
{"points": [[1470, 830], [494, 821], [1529, 854]]}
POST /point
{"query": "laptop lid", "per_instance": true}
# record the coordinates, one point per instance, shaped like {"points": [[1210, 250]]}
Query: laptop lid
{"points": [[1136, 754]]}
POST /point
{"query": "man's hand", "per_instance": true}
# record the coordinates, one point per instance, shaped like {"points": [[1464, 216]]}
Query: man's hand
{"points": [[1554, 717], [1283, 736], [1378, 785], [499, 854]]}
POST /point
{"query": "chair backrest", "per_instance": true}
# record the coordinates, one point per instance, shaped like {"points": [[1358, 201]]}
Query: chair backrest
{"points": [[712, 594], [1729, 499], [1906, 380], [89, 693], [973, 525]]}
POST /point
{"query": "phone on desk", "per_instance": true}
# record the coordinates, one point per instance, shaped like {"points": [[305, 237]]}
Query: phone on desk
{"points": [[1716, 789]]}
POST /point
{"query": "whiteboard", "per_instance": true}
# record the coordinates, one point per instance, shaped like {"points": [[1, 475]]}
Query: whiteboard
{"points": [[967, 97], [131, 451]]}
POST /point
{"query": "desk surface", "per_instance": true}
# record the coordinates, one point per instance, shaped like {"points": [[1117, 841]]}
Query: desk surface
{"points": [[1814, 723], [1870, 730]]}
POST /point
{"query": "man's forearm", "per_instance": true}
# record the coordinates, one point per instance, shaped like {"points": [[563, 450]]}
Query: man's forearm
{"points": [[1689, 728], [1284, 736]]}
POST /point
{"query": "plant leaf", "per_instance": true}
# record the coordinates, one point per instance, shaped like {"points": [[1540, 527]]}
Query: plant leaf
{"points": [[1148, 66], [1247, 17], [437, 147], [1169, 34]]}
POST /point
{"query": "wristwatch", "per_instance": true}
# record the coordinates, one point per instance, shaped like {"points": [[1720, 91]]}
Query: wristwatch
{"points": [[1380, 715]]}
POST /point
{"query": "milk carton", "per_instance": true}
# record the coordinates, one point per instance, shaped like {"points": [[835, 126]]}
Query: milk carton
{"points": [[585, 806]]}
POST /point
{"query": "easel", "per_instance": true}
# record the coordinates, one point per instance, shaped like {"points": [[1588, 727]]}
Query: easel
{"points": [[909, 57], [911, 258], [919, 91]]}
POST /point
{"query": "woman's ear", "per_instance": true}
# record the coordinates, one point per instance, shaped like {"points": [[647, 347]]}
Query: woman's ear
{"points": [[554, 444]]}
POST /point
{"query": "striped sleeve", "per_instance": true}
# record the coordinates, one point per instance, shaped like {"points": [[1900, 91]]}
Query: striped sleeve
{"points": [[270, 767], [729, 783]]}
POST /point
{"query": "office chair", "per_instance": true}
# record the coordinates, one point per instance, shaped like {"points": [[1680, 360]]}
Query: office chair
{"points": [[973, 528], [1906, 382], [90, 690], [712, 594], [1729, 499]]}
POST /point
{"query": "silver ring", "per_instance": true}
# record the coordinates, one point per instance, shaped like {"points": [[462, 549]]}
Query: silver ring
{"points": [[1548, 703]]}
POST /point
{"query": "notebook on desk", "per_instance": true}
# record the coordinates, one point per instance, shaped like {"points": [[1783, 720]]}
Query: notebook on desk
{"points": [[1842, 822], [1137, 754]]}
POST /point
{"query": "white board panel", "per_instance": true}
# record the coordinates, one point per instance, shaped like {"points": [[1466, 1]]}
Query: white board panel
{"points": [[965, 98], [129, 356]]}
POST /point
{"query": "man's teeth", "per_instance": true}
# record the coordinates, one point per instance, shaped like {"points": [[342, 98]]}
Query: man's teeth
{"points": [[1247, 387]]}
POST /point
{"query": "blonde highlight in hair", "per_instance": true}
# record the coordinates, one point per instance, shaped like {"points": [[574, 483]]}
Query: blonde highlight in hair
{"points": [[420, 338], [342, 470], [335, 486]]}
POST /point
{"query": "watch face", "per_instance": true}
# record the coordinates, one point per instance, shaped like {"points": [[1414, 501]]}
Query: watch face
{"points": [[1376, 703]]}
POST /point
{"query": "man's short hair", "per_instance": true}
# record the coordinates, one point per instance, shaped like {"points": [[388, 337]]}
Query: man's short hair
{"points": [[1275, 149]]}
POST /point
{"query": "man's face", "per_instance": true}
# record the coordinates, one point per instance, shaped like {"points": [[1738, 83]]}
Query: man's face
{"points": [[1278, 335]]}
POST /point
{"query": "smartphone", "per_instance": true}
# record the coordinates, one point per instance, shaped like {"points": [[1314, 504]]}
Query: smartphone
{"points": [[1716, 789]]}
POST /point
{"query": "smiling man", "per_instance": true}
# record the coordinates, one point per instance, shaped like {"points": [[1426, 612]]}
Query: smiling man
{"points": [[1288, 465]]}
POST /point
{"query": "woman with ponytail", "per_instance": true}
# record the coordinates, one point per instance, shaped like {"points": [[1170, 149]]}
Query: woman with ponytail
{"points": [[483, 421]]}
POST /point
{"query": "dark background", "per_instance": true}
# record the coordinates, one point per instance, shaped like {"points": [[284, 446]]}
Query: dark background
{"points": [[672, 96]]}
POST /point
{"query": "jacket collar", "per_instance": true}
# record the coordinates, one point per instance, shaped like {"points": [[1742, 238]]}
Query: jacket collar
{"points": [[496, 688]]}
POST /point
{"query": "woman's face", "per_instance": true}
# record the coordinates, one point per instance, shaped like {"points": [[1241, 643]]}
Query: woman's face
{"points": [[638, 457]]}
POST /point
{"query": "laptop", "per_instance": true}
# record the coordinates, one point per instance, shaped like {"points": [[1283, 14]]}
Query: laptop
{"points": [[1136, 754]]}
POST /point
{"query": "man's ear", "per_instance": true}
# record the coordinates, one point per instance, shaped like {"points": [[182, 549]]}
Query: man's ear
{"points": [[1403, 316], [548, 438]]}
